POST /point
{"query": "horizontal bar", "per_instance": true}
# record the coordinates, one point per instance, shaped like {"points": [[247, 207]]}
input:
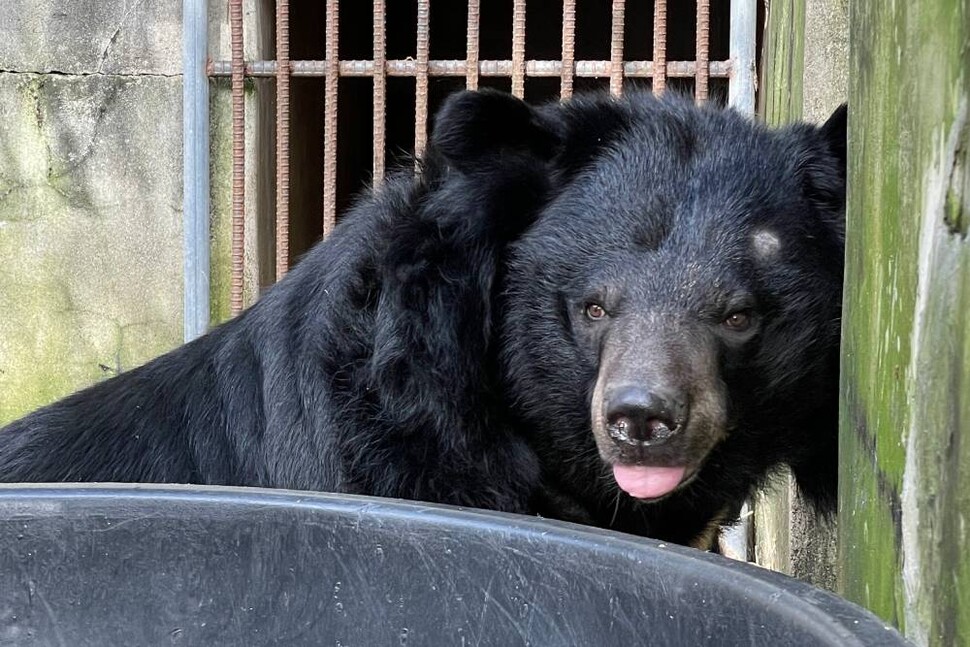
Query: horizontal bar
{"points": [[409, 68]]}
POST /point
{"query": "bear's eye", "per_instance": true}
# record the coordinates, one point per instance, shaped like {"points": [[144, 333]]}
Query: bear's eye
{"points": [[595, 311], [739, 321]]}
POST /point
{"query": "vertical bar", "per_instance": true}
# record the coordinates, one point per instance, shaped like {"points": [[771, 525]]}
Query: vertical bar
{"points": [[330, 119], [737, 539], [282, 137], [568, 48], [616, 48], [742, 44], [195, 170], [518, 48], [702, 54], [238, 157], [421, 78], [471, 57], [659, 46], [380, 88]]}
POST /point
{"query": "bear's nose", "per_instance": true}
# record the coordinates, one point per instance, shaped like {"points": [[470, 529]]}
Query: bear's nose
{"points": [[642, 417]]}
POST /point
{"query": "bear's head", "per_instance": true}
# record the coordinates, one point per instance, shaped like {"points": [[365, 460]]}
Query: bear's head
{"points": [[673, 313]]}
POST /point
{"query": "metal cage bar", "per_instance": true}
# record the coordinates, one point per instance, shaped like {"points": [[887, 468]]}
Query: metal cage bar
{"points": [[702, 51], [616, 47], [518, 48], [486, 68], [380, 89], [330, 118], [659, 46], [282, 138], [471, 51], [568, 64], [421, 77], [238, 157], [195, 171]]}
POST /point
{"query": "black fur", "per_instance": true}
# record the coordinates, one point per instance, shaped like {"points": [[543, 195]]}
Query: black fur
{"points": [[426, 350]]}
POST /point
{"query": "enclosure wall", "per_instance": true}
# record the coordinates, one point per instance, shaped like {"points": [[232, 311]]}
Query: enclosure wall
{"points": [[905, 411], [90, 193]]}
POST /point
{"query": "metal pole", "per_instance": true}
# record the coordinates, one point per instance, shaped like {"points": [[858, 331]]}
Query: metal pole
{"points": [[195, 169], [736, 541], [744, 29]]}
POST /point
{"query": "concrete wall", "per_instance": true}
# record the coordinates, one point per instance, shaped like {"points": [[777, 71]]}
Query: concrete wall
{"points": [[91, 187], [90, 192]]}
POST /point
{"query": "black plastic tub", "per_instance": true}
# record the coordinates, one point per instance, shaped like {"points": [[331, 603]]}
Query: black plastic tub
{"points": [[158, 565]]}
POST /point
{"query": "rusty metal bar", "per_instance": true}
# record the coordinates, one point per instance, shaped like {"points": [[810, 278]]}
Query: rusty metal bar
{"points": [[660, 46], [421, 78], [282, 138], [702, 54], [238, 157], [332, 73], [380, 89], [568, 70], [616, 47], [518, 48], [486, 68], [196, 256], [471, 56]]}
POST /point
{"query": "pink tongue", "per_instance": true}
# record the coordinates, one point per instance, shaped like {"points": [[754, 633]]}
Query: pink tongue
{"points": [[645, 482]]}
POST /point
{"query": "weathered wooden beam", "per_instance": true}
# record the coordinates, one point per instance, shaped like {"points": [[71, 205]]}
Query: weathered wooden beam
{"points": [[904, 514]]}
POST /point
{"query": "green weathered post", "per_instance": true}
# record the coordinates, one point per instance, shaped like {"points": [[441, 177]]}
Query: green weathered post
{"points": [[904, 518]]}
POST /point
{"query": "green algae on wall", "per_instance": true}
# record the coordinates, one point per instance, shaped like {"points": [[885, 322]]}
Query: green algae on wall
{"points": [[220, 192], [780, 99], [90, 225], [905, 409]]}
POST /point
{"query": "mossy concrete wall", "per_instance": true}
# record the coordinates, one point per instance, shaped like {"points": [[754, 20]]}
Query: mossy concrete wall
{"points": [[804, 77], [904, 513], [90, 193], [91, 187]]}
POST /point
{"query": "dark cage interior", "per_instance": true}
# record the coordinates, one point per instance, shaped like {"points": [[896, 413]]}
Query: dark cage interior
{"points": [[447, 41]]}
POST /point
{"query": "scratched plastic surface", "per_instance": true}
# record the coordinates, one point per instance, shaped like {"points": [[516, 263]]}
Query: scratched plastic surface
{"points": [[170, 565]]}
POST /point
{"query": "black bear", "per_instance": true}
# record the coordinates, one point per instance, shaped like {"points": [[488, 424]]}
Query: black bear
{"points": [[622, 312]]}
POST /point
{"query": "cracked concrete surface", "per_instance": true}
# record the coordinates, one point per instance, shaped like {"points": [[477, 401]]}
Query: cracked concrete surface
{"points": [[106, 37], [90, 193]]}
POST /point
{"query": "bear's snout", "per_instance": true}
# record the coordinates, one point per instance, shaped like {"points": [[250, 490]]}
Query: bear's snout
{"points": [[641, 417]]}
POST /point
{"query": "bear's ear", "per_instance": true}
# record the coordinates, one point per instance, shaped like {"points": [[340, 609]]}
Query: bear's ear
{"points": [[475, 129], [823, 165], [835, 134]]}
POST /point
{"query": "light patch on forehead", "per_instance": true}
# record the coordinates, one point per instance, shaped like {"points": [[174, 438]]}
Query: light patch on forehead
{"points": [[766, 244]]}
